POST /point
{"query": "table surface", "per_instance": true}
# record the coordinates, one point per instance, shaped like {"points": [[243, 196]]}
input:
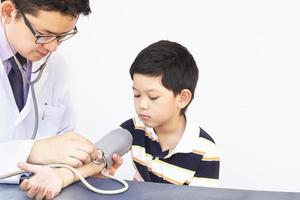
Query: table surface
{"points": [[152, 191]]}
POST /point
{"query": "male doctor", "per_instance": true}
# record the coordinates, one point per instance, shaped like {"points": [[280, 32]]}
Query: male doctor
{"points": [[30, 30]]}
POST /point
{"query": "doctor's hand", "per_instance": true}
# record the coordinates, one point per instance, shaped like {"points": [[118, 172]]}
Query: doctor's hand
{"points": [[46, 183], [68, 148]]}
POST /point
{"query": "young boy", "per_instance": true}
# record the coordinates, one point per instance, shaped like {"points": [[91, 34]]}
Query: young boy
{"points": [[167, 147]]}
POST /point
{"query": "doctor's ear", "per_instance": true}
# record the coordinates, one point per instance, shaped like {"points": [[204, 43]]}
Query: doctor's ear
{"points": [[6, 10], [184, 98]]}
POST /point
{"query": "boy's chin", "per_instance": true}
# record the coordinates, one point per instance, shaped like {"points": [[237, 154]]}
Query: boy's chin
{"points": [[148, 123]]}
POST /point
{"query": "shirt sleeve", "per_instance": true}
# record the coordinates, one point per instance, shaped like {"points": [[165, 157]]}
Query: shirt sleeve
{"points": [[128, 125], [11, 153], [207, 174]]}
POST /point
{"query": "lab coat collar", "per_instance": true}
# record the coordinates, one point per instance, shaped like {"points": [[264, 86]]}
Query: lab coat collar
{"points": [[6, 87], [6, 53], [5, 50]]}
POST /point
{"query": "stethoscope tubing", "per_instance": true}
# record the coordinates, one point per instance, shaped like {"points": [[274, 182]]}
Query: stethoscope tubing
{"points": [[33, 95]]}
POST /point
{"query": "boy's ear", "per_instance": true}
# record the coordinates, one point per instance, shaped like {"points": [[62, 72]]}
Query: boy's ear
{"points": [[184, 98]]}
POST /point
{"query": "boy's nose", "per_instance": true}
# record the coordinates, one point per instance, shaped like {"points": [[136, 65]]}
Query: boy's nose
{"points": [[144, 104]]}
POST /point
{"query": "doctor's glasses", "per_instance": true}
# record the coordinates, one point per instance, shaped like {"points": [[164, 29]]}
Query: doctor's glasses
{"points": [[42, 39]]}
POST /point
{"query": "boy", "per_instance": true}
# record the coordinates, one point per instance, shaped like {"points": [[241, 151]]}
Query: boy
{"points": [[167, 147]]}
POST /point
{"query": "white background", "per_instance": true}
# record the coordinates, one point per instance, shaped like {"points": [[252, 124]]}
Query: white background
{"points": [[247, 98]]}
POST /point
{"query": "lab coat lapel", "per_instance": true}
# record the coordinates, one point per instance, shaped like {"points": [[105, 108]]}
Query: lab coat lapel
{"points": [[7, 98], [38, 86]]}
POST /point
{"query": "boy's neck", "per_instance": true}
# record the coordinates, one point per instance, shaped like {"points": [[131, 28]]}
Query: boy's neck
{"points": [[170, 134]]}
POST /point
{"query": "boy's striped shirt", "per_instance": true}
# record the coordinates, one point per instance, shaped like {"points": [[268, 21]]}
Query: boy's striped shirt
{"points": [[194, 160]]}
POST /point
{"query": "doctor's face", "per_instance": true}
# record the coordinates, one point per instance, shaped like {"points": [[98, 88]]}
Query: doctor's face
{"points": [[22, 39], [155, 105]]}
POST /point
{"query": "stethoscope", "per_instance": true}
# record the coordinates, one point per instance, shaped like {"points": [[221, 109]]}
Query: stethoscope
{"points": [[36, 124], [33, 95]]}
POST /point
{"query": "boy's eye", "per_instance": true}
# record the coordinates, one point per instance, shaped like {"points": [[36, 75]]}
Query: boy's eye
{"points": [[153, 98], [136, 95]]}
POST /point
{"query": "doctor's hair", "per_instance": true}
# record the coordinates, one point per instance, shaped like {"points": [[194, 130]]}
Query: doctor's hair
{"points": [[170, 60], [72, 8]]}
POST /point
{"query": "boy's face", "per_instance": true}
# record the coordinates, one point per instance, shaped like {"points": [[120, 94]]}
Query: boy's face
{"points": [[45, 22], [154, 104]]}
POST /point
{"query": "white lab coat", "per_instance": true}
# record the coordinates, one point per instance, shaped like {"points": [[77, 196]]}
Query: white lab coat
{"points": [[55, 114]]}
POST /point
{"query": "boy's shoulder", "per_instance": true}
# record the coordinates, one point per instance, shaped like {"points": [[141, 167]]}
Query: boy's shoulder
{"points": [[136, 126], [194, 130], [206, 146], [133, 123]]}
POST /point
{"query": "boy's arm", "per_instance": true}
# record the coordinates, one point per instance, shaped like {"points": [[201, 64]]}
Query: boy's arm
{"points": [[48, 182], [207, 174], [87, 170]]}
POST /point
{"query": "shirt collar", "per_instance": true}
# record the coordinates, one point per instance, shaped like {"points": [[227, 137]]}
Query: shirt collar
{"points": [[5, 50], [138, 123], [187, 142]]}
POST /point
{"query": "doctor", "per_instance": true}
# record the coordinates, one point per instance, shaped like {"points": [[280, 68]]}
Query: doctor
{"points": [[30, 31]]}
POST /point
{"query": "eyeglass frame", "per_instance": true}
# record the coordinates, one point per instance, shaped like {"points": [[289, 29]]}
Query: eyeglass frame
{"points": [[54, 37]]}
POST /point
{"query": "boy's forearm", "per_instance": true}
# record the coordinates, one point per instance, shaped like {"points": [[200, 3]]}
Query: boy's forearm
{"points": [[86, 170]]}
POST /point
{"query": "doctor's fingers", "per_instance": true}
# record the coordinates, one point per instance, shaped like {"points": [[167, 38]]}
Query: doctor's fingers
{"points": [[72, 162], [90, 149], [83, 156]]}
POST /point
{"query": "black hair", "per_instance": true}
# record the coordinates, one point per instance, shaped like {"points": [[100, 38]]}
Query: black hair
{"points": [[66, 7], [170, 60]]}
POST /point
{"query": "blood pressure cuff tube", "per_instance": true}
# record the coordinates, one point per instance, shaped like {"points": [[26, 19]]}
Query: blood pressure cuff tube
{"points": [[117, 141]]}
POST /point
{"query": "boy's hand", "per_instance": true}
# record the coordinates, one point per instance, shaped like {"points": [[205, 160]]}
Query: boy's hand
{"points": [[45, 184], [117, 162]]}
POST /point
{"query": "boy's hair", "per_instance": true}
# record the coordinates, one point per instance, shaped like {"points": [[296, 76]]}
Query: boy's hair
{"points": [[170, 60], [66, 7]]}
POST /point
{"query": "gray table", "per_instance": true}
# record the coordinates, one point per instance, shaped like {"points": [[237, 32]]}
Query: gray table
{"points": [[153, 191]]}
